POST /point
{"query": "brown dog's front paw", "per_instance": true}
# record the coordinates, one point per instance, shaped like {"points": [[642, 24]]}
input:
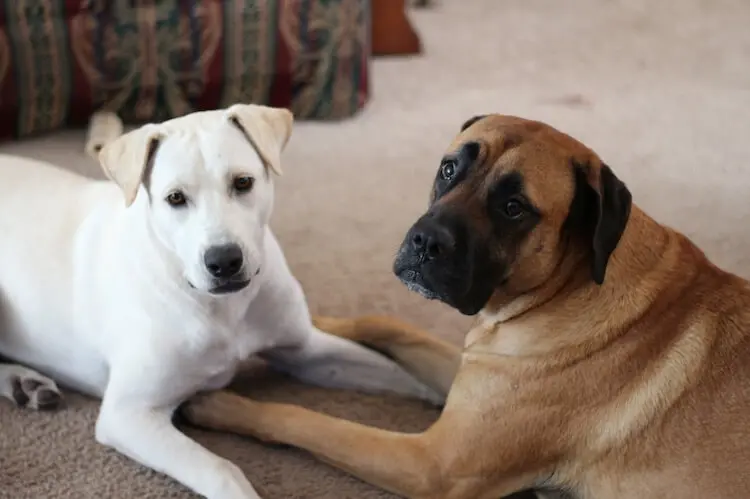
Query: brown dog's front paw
{"points": [[359, 329], [338, 326], [225, 411], [209, 409]]}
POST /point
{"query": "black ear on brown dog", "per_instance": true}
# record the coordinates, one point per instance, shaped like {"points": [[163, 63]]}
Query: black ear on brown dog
{"points": [[602, 205], [471, 121]]}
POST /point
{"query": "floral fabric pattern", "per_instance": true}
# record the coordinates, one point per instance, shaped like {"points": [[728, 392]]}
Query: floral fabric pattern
{"points": [[150, 60]]}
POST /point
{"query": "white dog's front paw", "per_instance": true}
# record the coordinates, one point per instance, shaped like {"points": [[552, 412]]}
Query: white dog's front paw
{"points": [[234, 483], [405, 384], [421, 391], [431, 396], [28, 388]]}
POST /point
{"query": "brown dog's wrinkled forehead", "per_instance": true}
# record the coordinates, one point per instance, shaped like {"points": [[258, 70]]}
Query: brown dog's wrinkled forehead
{"points": [[500, 133], [542, 154]]}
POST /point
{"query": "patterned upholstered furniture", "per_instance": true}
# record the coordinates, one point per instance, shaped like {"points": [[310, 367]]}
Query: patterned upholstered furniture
{"points": [[148, 60]]}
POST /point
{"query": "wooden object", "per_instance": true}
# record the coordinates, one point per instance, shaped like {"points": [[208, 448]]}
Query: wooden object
{"points": [[392, 32]]}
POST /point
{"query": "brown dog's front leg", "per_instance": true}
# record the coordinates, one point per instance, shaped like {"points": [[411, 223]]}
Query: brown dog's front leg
{"points": [[448, 461], [405, 464]]}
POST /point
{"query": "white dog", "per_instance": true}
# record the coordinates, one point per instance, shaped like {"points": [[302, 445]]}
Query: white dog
{"points": [[148, 289]]}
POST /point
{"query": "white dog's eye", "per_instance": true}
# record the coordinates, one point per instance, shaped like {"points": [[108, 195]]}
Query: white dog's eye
{"points": [[176, 199], [243, 183]]}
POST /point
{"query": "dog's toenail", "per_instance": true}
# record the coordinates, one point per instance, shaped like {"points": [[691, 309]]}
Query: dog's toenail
{"points": [[19, 396], [47, 399]]}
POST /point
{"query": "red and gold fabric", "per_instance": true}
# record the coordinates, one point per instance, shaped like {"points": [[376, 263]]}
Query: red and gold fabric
{"points": [[149, 60]]}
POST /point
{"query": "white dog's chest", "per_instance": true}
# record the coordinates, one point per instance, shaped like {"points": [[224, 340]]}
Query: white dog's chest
{"points": [[218, 361], [189, 372]]}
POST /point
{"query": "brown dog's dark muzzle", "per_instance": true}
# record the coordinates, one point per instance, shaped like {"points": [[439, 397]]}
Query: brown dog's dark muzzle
{"points": [[434, 241], [438, 259], [431, 240]]}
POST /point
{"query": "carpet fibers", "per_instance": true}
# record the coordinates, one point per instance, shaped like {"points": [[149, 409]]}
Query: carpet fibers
{"points": [[660, 89]]}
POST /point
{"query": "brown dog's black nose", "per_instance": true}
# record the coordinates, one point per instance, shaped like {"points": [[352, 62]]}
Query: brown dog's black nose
{"points": [[223, 261], [430, 241]]}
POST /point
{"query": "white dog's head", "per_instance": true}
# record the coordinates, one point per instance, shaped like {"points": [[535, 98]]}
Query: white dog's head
{"points": [[205, 180]]}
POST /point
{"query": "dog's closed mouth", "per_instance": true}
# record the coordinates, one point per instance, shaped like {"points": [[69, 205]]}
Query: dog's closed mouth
{"points": [[415, 282], [229, 287]]}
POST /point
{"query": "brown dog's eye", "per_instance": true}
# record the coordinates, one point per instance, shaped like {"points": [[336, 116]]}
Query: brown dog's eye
{"points": [[176, 198], [448, 170], [243, 183], [513, 209]]}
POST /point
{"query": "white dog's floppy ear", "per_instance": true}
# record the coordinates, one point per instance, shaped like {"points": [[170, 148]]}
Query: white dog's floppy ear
{"points": [[267, 128], [126, 159]]}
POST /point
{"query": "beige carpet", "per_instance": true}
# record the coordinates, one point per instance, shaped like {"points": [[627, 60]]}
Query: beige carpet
{"points": [[660, 89]]}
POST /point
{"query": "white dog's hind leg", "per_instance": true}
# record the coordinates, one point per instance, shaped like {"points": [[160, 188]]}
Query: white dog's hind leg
{"points": [[27, 388], [148, 436], [333, 362]]}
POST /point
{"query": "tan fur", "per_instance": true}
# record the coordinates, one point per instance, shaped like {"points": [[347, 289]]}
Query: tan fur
{"points": [[126, 158], [267, 128], [636, 388]]}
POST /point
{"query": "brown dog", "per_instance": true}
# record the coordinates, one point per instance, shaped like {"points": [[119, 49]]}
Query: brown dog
{"points": [[609, 359]]}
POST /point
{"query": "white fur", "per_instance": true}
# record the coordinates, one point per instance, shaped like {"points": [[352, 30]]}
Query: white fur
{"points": [[113, 300], [104, 127]]}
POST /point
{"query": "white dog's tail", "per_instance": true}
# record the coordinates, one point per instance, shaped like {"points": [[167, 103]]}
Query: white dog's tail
{"points": [[104, 127]]}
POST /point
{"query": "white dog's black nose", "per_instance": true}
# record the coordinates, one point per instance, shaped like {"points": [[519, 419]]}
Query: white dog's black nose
{"points": [[223, 261]]}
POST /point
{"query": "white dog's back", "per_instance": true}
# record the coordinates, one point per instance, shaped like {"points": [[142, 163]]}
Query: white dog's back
{"points": [[43, 206]]}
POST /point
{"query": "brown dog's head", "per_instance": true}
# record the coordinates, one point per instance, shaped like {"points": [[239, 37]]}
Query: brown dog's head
{"points": [[511, 199]]}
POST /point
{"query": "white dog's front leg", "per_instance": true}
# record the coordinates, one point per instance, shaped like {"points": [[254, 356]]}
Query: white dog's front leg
{"points": [[148, 436], [329, 361]]}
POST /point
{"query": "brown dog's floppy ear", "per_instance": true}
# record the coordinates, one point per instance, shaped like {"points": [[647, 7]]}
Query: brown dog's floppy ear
{"points": [[267, 128], [607, 206], [125, 160]]}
